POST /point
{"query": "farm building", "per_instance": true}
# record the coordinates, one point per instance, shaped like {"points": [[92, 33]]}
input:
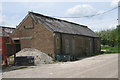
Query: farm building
{"points": [[54, 36], [5, 33], [7, 46]]}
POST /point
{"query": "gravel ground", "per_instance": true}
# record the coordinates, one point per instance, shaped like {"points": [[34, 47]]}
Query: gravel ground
{"points": [[101, 66], [39, 57]]}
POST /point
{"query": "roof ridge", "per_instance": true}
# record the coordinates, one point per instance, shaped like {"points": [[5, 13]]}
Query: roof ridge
{"points": [[7, 27], [56, 19], [71, 28]]}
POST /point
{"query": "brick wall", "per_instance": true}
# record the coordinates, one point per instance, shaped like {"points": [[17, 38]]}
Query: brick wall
{"points": [[78, 45], [42, 38]]}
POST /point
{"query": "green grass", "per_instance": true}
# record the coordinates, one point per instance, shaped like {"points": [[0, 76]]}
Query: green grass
{"points": [[21, 68], [11, 62], [110, 49], [11, 56], [24, 67]]}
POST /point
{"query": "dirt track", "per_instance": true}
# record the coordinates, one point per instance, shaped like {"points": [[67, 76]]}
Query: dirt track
{"points": [[102, 66]]}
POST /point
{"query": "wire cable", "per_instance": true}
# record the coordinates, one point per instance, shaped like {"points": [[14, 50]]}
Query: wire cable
{"points": [[89, 15]]}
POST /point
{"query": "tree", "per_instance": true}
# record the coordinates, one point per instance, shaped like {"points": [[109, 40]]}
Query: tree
{"points": [[109, 37]]}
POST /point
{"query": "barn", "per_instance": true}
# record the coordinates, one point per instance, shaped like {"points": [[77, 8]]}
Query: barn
{"points": [[56, 37]]}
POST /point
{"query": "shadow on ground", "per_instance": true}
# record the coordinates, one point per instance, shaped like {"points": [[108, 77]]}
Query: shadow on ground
{"points": [[12, 68]]}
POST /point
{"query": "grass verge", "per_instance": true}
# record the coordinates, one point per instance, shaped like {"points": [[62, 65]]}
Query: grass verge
{"points": [[110, 49]]}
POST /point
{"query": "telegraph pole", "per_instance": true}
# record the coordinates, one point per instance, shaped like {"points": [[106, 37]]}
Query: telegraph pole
{"points": [[118, 26], [118, 39]]}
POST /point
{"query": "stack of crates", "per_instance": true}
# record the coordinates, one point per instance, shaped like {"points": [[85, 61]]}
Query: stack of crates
{"points": [[66, 57]]}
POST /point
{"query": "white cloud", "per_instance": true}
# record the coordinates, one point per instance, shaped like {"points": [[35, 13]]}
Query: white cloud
{"points": [[1, 16], [114, 3], [55, 0], [3, 21], [112, 26], [0, 8], [100, 12], [81, 10]]}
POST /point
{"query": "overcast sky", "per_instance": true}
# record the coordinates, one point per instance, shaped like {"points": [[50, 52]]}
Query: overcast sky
{"points": [[12, 13]]}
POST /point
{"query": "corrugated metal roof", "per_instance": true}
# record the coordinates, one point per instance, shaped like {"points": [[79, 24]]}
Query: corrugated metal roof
{"points": [[63, 26], [6, 31]]}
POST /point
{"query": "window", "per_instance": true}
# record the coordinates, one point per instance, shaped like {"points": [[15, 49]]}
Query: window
{"points": [[16, 41], [57, 43], [7, 39], [28, 27]]}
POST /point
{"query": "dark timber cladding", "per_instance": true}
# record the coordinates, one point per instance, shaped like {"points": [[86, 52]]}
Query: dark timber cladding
{"points": [[54, 36]]}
